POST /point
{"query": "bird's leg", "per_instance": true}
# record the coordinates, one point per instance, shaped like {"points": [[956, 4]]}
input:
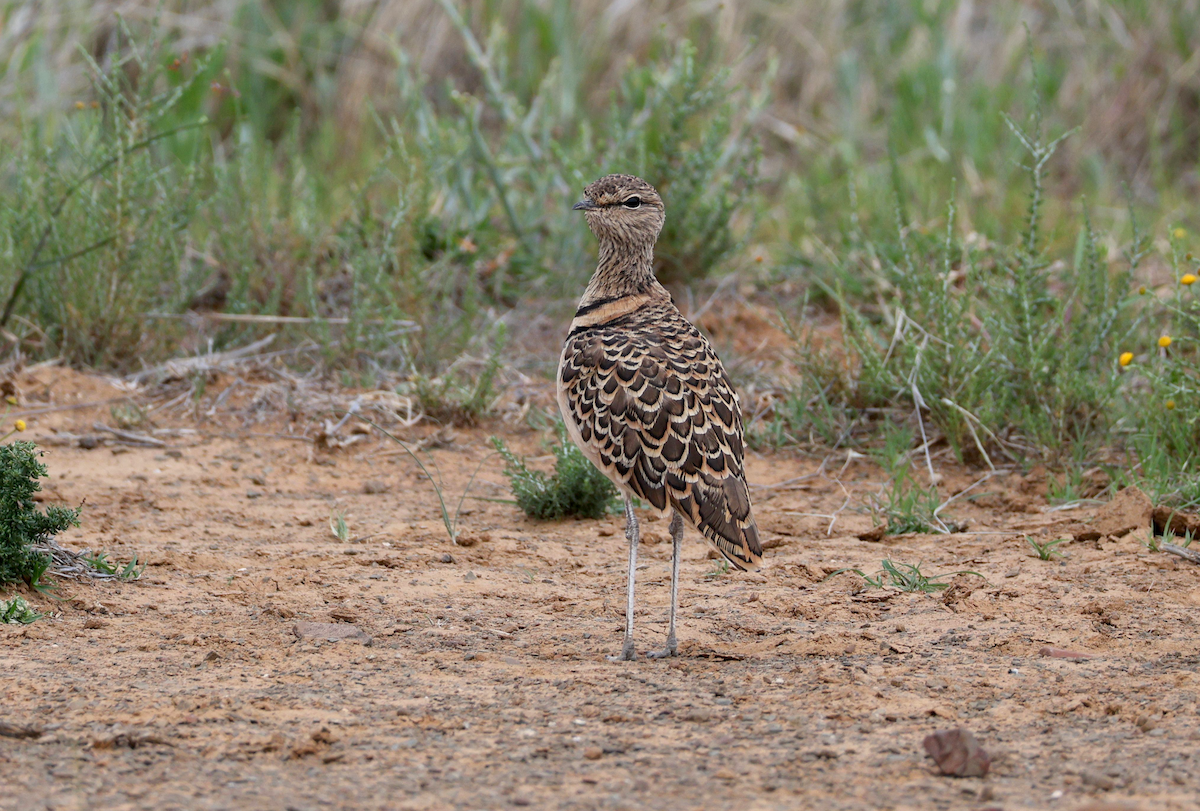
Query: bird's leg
{"points": [[628, 653], [676, 542]]}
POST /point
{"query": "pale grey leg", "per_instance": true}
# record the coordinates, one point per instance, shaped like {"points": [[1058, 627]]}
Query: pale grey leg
{"points": [[628, 653], [676, 542]]}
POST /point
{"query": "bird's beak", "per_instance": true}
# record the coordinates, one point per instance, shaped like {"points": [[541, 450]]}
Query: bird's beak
{"points": [[584, 205]]}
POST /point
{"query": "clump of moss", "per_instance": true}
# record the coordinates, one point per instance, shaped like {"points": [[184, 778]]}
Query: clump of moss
{"points": [[22, 525], [576, 488]]}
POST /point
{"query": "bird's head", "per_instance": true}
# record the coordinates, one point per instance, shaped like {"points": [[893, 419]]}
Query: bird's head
{"points": [[624, 209]]}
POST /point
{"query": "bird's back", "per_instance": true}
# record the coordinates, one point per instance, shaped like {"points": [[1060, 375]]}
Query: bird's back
{"points": [[647, 400]]}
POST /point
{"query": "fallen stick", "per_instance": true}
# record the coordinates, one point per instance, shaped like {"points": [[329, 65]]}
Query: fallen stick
{"points": [[1186, 554], [248, 318], [129, 437], [30, 412]]}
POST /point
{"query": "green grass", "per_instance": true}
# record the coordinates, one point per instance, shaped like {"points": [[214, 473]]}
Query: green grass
{"points": [[130, 571], [1045, 550], [906, 577], [977, 204]]}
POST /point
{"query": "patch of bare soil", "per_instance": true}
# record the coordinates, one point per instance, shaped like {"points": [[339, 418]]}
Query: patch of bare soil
{"points": [[474, 676]]}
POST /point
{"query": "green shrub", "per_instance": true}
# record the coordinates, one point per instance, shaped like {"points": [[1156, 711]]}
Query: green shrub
{"points": [[22, 525], [577, 488], [1001, 350], [1162, 384]]}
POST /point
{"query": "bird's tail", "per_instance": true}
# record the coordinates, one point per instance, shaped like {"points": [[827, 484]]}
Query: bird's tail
{"points": [[722, 514]]}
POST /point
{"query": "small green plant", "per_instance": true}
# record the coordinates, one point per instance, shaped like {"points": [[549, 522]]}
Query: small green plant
{"points": [[1066, 489], [22, 525], [719, 569], [576, 487], [1046, 549], [338, 525], [1154, 542], [906, 505], [130, 571], [18, 612], [906, 577]]}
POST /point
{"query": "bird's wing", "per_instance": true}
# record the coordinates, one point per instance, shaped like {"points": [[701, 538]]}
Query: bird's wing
{"points": [[652, 406]]}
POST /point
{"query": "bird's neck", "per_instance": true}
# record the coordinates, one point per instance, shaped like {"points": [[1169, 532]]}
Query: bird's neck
{"points": [[622, 270]]}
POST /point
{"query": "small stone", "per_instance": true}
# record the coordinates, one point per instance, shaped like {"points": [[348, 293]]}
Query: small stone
{"points": [[468, 657], [174, 453], [593, 753], [446, 558], [1061, 653], [331, 631], [374, 487], [93, 623], [253, 494], [1099, 781], [1129, 510], [258, 479], [469, 576], [957, 753], [874, 534]]}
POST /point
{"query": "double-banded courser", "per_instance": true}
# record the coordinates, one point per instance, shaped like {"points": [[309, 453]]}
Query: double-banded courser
{"points": [[645, 397]]}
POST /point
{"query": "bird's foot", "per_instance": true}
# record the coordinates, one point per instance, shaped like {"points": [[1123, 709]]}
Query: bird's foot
{"points": [[628, 652], [670, 650]]}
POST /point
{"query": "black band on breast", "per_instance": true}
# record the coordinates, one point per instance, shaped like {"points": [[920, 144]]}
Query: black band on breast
{"points": [[598, 303], [619, 321]]}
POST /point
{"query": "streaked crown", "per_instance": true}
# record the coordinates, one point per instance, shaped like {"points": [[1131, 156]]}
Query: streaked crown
{"points": [[623, 208]]}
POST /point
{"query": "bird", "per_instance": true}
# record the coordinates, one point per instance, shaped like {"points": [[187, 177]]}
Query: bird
{"points": [[646, 399]]}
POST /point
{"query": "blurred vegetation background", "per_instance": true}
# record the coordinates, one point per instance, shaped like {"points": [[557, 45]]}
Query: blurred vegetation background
{"points": [[885, 178]]}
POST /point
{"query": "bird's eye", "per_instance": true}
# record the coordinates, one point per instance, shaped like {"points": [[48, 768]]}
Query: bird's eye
{"points": [[632, 202]]}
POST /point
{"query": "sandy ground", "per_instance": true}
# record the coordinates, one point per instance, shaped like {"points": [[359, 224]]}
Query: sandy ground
{"points": [[479, 679]]}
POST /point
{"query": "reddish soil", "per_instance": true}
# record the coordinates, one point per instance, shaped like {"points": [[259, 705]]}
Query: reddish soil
{"points": [[484, 683]]}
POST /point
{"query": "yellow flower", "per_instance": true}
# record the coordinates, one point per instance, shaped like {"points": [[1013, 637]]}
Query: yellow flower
{"points": [[1142, 290], [1188, 278], [1125, 359], [1179, 233], [1164, 341], [79, 105], [19, 425], [1170, 405], [11, 400]]}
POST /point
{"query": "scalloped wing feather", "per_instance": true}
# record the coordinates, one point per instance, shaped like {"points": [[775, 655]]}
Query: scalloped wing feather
{"points": [[646, 398]]}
